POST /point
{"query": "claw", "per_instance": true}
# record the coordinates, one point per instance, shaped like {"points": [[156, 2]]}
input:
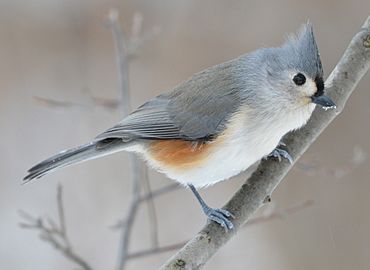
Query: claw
{"points": [[281, 143], [279, 153], [221, 217], [219, 221], [225, 213]]}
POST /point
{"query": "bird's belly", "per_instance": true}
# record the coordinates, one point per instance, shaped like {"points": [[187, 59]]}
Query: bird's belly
{"points": [[207, 164], [224, 163]]}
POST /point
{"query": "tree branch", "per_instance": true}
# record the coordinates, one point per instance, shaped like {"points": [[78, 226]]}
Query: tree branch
{"points": [[138, 172], [161, 191], [152, 213], [55, 234], [351, 68]]}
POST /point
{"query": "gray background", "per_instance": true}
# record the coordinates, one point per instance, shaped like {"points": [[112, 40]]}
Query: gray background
{"points": [[60, 50]]}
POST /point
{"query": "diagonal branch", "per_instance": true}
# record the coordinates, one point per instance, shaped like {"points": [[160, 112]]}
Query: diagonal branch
{"points": [[342, 81]]}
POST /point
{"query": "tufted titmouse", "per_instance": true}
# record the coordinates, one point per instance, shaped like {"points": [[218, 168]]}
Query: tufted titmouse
{"points": [[220, 121]]}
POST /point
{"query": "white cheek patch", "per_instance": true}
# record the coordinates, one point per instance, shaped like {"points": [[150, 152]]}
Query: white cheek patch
{"points": [[309, 88]]}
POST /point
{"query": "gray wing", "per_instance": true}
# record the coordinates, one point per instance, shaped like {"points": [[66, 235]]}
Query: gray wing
{"points": [[197, 109], [150, 121]]}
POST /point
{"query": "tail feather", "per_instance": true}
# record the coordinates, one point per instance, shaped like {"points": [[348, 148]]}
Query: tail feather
{"points": [[75, 155]]}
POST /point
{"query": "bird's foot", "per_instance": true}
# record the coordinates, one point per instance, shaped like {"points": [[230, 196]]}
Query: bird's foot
{"points": [[281, 153], [219, 216]]}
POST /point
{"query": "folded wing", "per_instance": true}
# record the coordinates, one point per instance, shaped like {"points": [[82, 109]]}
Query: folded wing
{"points": [[197, 109]]}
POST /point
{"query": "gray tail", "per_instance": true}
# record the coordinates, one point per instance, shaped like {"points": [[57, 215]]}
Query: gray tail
{"points": [[75, 155]]}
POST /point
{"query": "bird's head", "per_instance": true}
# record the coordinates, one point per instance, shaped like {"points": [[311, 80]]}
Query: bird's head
{"points": [[295, 71]]}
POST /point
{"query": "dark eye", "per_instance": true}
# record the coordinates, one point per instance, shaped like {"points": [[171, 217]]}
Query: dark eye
{"points": [[299, 79]]}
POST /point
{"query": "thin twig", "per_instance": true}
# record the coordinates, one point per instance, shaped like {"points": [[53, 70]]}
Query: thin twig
{"points": [[131, 215], [138, 38], [342, 81], [122, 63], [150, 196], [161, 191], [153, 223], [105, 103], [55, 234], [62, 221], [55, 104]]}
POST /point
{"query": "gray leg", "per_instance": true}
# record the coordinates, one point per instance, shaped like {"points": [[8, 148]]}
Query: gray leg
{"points": [[220, 216]]}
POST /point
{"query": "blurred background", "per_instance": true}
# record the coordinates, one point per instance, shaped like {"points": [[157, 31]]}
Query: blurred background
{"points": [[58, 59]]}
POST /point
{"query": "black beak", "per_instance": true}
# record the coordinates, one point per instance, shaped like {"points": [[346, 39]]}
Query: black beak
{"points": [[323, 101], [319, 98]]}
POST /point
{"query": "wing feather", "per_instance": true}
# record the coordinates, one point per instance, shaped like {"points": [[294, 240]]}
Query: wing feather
{"points": [[195, 110]]}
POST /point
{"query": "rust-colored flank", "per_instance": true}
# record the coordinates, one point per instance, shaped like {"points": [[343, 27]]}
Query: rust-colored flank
{"points": [[179, 154]]}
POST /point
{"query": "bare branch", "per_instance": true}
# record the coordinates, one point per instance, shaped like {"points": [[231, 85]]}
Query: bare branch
{"points": [[160, 191], [131, 215], [105, 103], [122, 66], [124, 49], [351, 68], [127, 49], [62, 221], [150, 195], [153, 223], [138, 172], [53, 233], [122, 63], [55, 104]]}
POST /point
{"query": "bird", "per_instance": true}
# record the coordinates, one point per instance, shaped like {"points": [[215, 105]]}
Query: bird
{"points": [[220, 121]]}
